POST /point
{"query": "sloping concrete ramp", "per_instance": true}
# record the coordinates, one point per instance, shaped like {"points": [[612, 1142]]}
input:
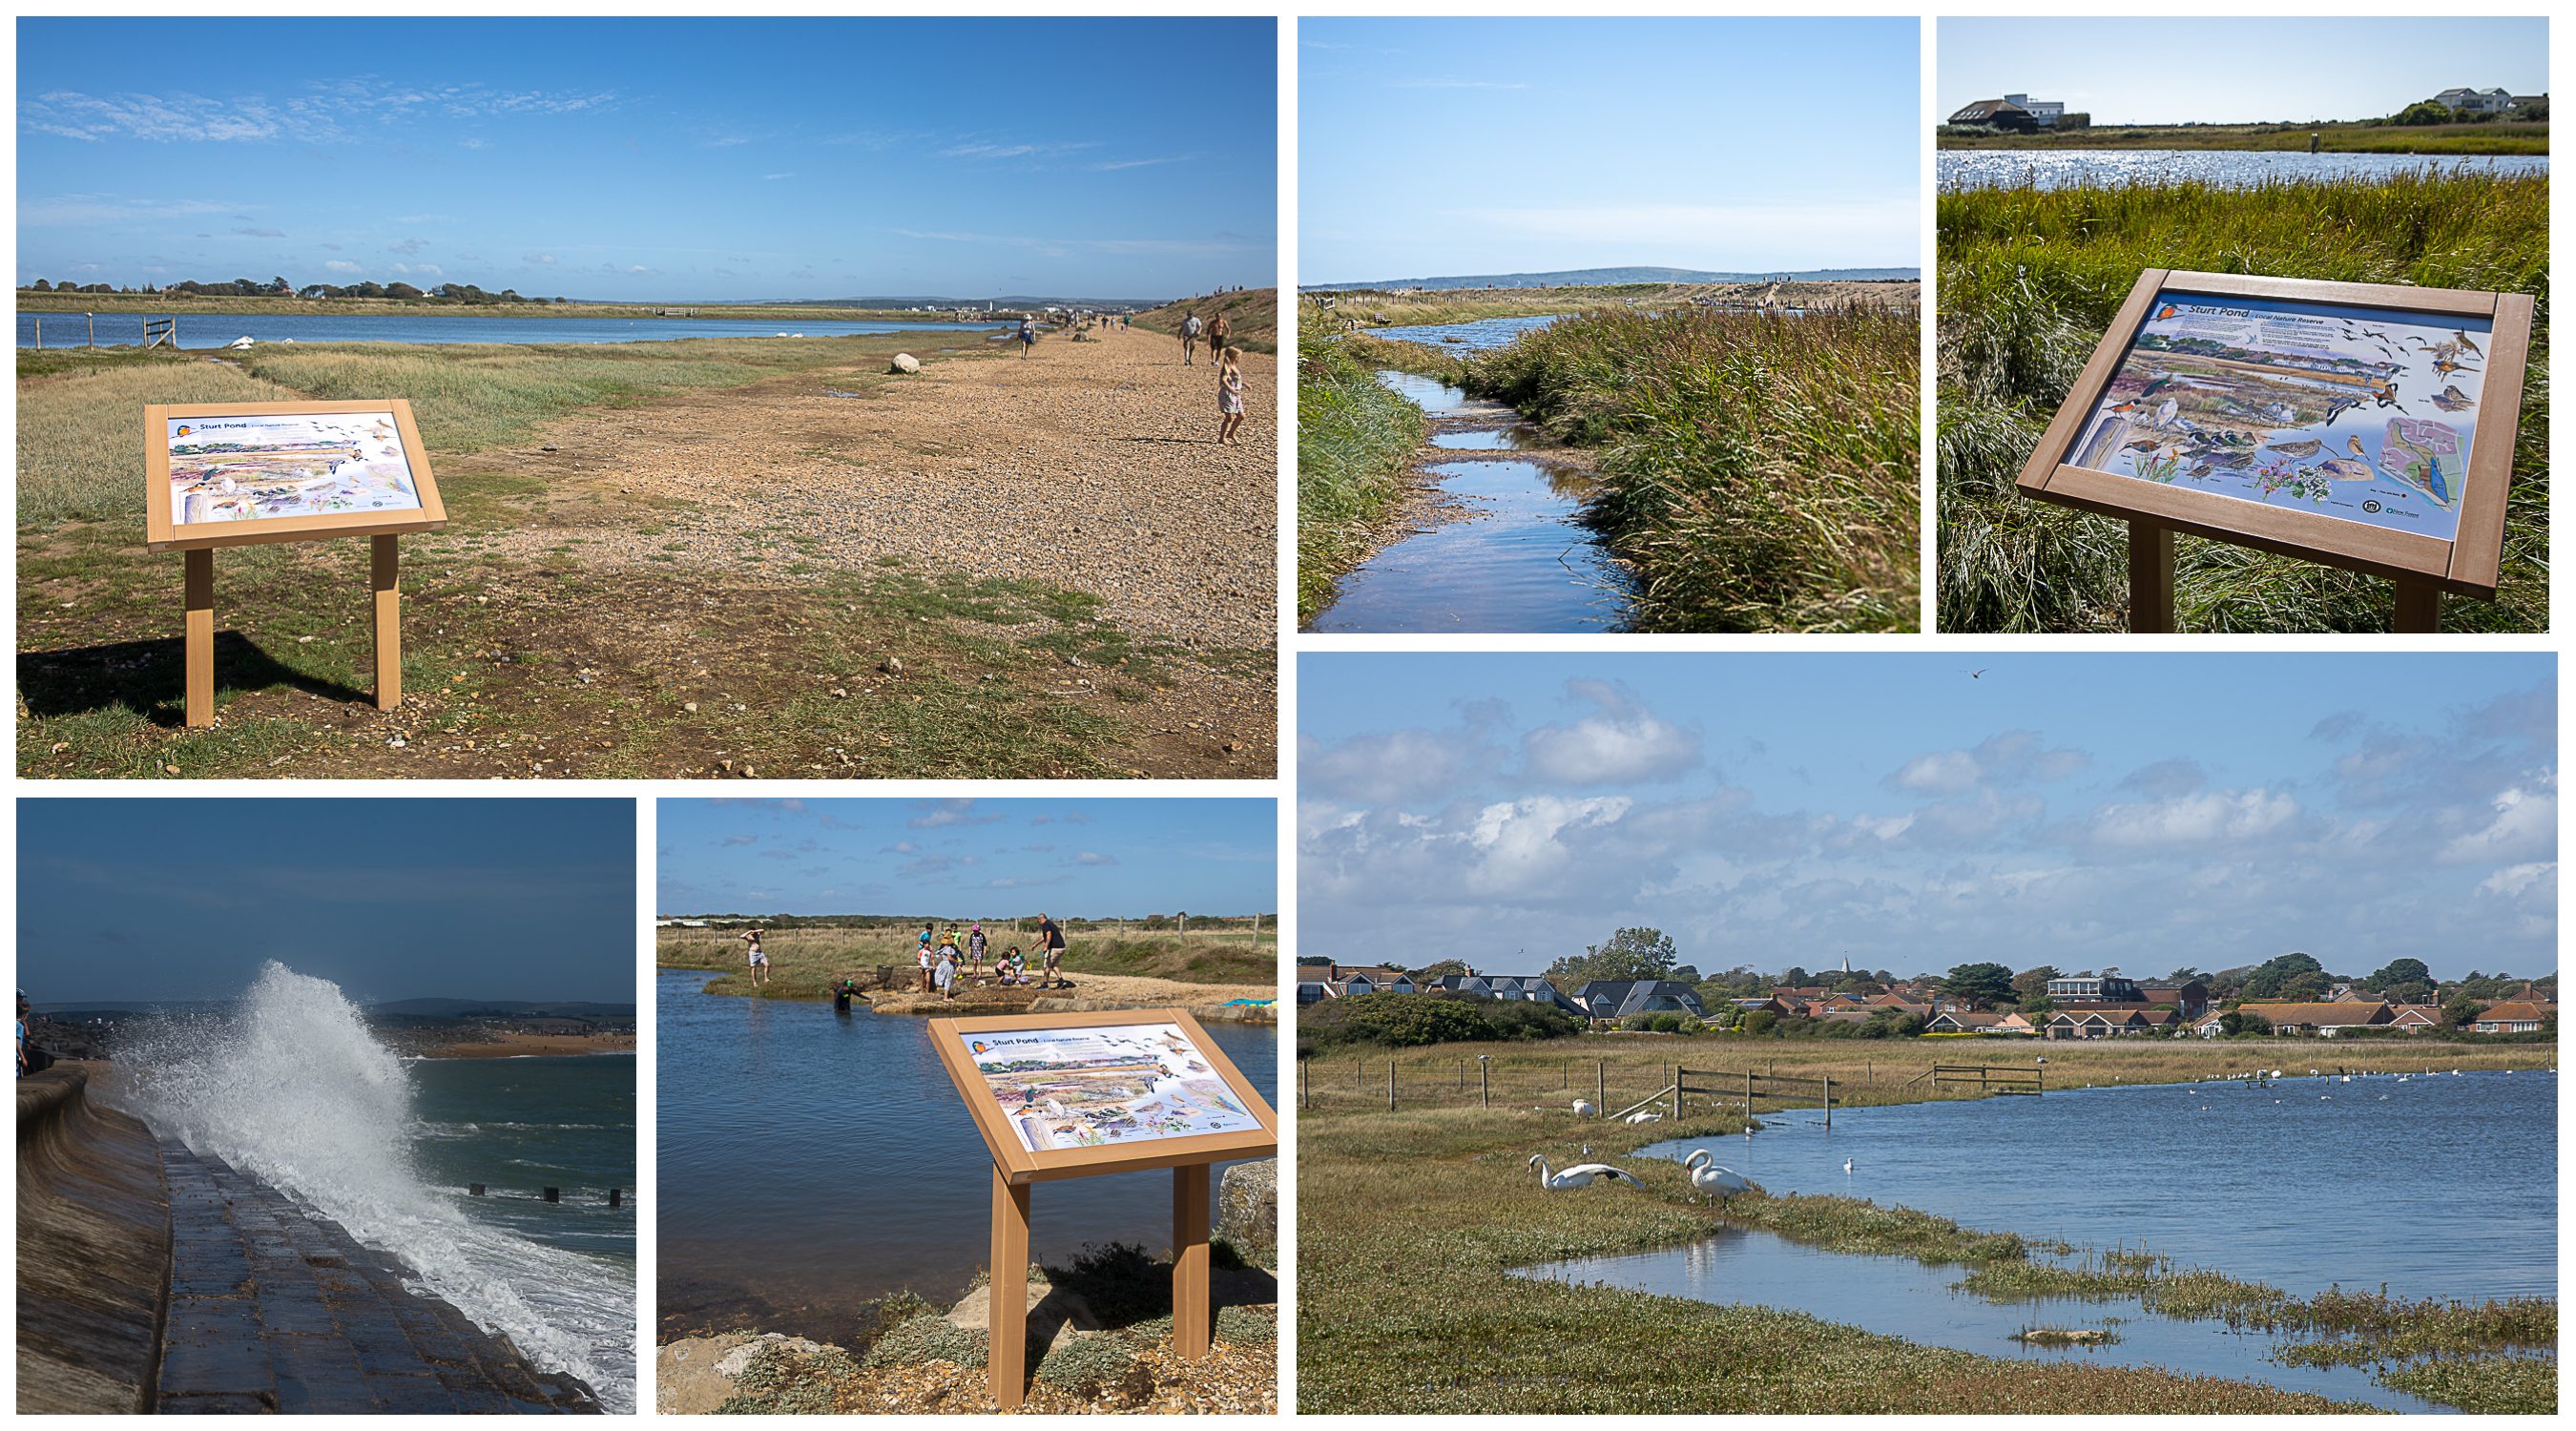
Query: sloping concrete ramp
{"points": [[151, 1278]]}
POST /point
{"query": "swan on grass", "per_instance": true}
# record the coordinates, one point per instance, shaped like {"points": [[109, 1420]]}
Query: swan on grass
{"points": [[1583, 1108], [1581, 1175]]}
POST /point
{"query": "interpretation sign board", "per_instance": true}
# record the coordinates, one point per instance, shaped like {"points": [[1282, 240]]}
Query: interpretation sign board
{"points": [[239, 474], [224, 475], [2364, 426], [1075, 1095]]}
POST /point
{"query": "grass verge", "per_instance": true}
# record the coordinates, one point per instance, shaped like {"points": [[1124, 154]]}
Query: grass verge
{"points": [[804, 962], [2029, 281], [1354, 437]]}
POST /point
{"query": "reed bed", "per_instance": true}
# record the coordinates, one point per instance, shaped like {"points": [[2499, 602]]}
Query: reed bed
{"points": [[1761, 472], [2030, 279], [1354, 438]]}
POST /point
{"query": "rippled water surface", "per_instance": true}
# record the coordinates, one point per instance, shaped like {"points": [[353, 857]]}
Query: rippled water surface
{"points": [[2062, 169], [813, 1161]]}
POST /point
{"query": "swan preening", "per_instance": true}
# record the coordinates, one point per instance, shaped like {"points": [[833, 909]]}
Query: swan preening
{"points": [[1707, 1176], [1583, 1108], [1581, 1175], [1645, 1117]]}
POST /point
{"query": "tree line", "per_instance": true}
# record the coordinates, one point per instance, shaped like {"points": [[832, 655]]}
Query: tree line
{"points": [[277, 287]]}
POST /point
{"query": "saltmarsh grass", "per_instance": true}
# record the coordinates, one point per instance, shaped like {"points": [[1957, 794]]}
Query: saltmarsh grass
{"points": [[1353, 440], [2030, 279], [1761, 471], [80, 436]]}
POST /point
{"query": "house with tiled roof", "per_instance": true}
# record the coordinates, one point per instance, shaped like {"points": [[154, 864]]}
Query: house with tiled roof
{"points": [[2415, 1018], [2109, 1023], [1342, 981], [1618, 998], [1957, 1022], [1520, 988], [2511, 1016], [2320, 1020]]}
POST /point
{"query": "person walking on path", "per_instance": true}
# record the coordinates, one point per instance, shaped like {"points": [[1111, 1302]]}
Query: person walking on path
{"points": [[759, 961], [975, 948], [1219, 332], [1229, 396], [1028, 337], [947, 974], [1051, 935], [1190, 340]]}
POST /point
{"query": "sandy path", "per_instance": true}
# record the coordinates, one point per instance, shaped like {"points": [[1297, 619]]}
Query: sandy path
{"points": [[1088, 465]]}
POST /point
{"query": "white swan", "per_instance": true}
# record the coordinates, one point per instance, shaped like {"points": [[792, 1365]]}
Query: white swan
{"points": [[1707, 1176], [1583, 1108], [1581, 1175], [1645, 1117]]}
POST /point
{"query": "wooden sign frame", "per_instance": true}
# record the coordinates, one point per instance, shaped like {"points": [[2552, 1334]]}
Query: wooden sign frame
{"points": [[1016, 1169], [2423, 566], [198, 541], [163, 532]]}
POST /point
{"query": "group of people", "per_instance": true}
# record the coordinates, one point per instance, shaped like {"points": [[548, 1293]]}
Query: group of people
{"points": [[945, 958]]}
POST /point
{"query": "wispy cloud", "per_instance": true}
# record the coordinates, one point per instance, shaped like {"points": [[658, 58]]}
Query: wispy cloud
{"points": [[790, 174], [1451, 84], [328, 111], [261, 233], [1141, 163]]}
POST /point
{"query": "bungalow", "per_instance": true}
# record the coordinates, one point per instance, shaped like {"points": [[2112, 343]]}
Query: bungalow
{"points": [[1618, 998], [2475, 101], [2510, 1017], [1949, 1022], [1341, 982], [2321, 1020], [2109, 1023], [1997, 114], [1521, 988], [2415, 1018]]}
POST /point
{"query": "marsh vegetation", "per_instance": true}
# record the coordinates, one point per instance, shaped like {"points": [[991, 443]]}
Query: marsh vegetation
{"points": [[2030, 279]]}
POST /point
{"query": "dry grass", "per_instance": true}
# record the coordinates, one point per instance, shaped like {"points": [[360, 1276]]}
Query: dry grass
{"points": [[804, 962], [80, 436]]}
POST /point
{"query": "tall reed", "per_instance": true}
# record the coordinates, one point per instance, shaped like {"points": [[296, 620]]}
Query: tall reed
{"points": [[1762, 470], [2030, 279]]}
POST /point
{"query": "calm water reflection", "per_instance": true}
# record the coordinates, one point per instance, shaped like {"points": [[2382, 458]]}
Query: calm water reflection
{"points": [[2061, 169], [811, 1162]]}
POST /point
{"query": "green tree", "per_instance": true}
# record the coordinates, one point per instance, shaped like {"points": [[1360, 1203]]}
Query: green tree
{"points": [[2243, 1021], [2266, 982], [2424, 111], [1630, 954], [2304, 988], [1444, 967], [1760, 1021], [2398, 971], [2461, 1011], [1979, 984], [2033, 983]]}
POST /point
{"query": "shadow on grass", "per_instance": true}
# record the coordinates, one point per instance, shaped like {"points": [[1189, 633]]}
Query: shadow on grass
{"points": [[149, 678]]}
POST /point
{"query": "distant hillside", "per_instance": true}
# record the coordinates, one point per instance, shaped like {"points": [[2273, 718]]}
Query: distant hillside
{"points": [[559, 1009], [1606, 277]]}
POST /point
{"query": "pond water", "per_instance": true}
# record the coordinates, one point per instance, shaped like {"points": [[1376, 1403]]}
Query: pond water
{"points": [[1473, 337], [214, 330], [1518, 560], [2303, 1183], [1898, 1296], [2235, 168], [813, 1161]]}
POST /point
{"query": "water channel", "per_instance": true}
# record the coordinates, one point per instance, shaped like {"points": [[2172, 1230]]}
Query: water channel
{"points": [[1516, 559], [2230, 168], [215, 330], [811, 1162], [2432, 1185]]}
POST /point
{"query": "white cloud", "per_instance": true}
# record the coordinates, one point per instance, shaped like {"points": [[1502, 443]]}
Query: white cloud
{"points": [[1093, 857], [2012, 757], [2526, 822], [338, 265], [537, 258], [2513, 881], [1622, 744], [790, 174], [2219, 816]]}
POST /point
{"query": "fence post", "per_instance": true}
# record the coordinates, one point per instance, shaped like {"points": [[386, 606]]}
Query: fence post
{"points": [[1485, 1076], [1748, 1095], [1829, 1100], [1600, 1085], [1390, 1085]]}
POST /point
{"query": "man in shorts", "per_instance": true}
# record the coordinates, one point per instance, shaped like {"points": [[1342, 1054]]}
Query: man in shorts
{"points": [[1189, 339], [1051, 936], [759, 961]]}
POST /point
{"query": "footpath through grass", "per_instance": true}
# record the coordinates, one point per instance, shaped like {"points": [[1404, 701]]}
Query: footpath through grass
{"points": [[1411, 1219], [2030, 279], [515, 662]]}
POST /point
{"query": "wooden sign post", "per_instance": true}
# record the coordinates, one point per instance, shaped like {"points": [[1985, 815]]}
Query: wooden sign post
{"points": [[2363, 426], [1077, 1095], [240, 474]]}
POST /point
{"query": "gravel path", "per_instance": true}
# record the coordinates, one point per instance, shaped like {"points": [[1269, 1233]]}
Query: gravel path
{"points": [[1087, 465]]}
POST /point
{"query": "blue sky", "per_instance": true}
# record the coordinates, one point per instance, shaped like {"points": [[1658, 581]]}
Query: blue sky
{"points": [[642, 159], [2180, 69], [390, 899], [2141, 810], [1460, 146], [969, 858]]}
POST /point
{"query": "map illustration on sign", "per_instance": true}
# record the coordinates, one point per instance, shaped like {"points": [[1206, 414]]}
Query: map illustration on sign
{"points": [[1092, 1087], [2350, 412], [256, 466]]}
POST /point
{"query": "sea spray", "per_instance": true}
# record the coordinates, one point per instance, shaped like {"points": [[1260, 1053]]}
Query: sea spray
{"points": [[291, 1088]]}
